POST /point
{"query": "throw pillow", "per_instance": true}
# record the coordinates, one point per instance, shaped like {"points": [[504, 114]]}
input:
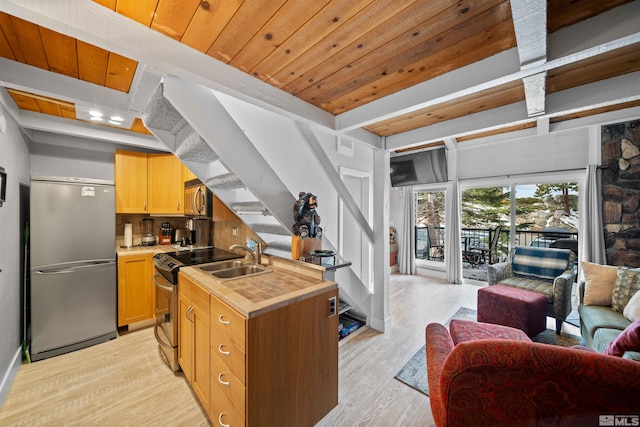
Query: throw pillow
{"points": [[627, 284], [598, 283], [632, 310], [628, 340]]}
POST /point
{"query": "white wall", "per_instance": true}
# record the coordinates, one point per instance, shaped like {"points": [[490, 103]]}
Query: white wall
{"points": [[14, 158], [52, 160]]}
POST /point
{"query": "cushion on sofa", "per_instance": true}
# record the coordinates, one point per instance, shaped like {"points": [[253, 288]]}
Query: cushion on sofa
{"points": [[627, 284], [603, 337], [539, 263], [594, 317], [599, 282], [628, 340], [632, 310]]}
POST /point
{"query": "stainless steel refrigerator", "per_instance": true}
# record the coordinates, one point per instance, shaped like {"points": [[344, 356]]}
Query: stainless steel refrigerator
{"points": [[73, 266]]}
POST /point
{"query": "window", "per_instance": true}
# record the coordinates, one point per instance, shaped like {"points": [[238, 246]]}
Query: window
{"points": [[429, 227]]}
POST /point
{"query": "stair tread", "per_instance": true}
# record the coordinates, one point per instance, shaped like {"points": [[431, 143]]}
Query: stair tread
{"points": [[191, 147], [225, 181], [270, 229]]}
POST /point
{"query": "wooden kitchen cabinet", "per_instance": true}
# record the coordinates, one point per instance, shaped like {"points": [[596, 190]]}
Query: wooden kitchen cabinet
{"points": [[148, 183], [194, 338], [165, 185], [135, 288], [131, 182], [187, 175], [279, 368]]}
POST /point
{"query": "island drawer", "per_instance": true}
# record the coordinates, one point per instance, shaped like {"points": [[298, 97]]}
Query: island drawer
{"points": [[228, 352], [229, 321]]}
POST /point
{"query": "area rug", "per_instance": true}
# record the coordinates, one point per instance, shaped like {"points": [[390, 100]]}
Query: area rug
{"points": [[414, 372]]}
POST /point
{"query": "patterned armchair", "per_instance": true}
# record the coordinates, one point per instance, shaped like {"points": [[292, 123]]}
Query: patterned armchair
{"points": [[508, 382], [543, 270]]}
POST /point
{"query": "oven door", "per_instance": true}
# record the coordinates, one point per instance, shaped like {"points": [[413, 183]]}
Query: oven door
{"points": [[166, 327]]}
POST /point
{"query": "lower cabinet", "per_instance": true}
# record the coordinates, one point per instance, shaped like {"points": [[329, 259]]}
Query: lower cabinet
{"points": [[135, 288], [194, 350], [279, 368]]}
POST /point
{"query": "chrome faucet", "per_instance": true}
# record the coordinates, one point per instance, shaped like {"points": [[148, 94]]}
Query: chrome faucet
{"points": [[256, 254]]}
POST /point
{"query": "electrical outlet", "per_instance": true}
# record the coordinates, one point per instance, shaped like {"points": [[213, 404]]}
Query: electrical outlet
{"points": [[332, 306], [234, 231]]}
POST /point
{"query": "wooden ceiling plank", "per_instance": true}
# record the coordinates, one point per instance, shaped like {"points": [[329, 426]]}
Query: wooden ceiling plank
{"points": [[208, 22], [247, 21], [339, 51], [496, 38], [374, 15], [289, 19], [51, 108], [61, 52], [10, 47], [610, 64], [141, 11], [25, 102], [68, 112], [172, 17], [92, 64], [29, 43], [334, 15], [421, 147], [120, 72], [430, 37], [507, 129], [595, 111], [485, 100], [562, 13], [138, 126], [111, 4]]}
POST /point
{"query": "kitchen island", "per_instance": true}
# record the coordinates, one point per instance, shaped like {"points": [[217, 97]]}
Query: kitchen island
{"points": [[262, 349]]}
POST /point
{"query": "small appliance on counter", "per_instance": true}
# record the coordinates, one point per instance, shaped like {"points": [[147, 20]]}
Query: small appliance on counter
{"points": [[148, 236], [166, 233]]}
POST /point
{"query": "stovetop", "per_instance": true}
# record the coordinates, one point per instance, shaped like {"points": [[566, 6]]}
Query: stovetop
{"points": [[168, 263]]}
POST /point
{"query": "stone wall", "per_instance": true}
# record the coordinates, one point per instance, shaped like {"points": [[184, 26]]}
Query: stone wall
{"points": [[621, 192]]}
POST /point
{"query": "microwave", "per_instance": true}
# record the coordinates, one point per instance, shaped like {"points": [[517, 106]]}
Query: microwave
{"points": [[198, 199]]}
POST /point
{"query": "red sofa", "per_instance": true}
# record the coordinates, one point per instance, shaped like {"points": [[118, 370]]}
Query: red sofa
{"points": [[509, 382]]}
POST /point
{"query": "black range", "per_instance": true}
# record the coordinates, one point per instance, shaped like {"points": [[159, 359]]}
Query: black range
{"points": [[168, 263]]}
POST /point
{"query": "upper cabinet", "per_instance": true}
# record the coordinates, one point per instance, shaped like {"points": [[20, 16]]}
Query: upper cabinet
{"points": [[149, 183], [187, 175], [131, 182], [165, 184]]}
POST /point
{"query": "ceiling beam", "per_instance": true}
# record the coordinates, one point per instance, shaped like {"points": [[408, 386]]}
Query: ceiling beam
{"points": [[58, 125], [569, 45], [598, 94]]}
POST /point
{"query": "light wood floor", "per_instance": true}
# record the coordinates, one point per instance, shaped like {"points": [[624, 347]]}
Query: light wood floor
{"points": [[125, 382]]}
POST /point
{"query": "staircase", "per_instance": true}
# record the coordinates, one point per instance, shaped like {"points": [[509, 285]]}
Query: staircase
{"points": [[258, 207], [214, 147]]}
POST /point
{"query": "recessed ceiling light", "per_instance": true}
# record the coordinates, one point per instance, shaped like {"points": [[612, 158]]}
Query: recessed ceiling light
{"points": [[96, 118], [117, 118], [113, 122], [95, 113]]}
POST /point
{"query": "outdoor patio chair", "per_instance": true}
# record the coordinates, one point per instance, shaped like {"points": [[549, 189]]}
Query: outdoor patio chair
{"points": [[485, 254], [436, 247]]}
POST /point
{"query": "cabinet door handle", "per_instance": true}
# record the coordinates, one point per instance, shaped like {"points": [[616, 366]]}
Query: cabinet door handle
{"points": [[225, 383], [144, 206], [221, 423], [226, 353], [189, 311], [178, 206], [224, 322]]}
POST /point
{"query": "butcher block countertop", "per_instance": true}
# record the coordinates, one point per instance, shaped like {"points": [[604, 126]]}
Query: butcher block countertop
{"points": [[288, 281]]}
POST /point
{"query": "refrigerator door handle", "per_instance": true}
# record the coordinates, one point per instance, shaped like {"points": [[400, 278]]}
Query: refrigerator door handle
{"points": [[73, 267]]}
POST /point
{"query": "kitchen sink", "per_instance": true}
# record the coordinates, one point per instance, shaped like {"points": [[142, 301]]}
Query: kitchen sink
{"points": [[241, 271], [223, 265]]}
